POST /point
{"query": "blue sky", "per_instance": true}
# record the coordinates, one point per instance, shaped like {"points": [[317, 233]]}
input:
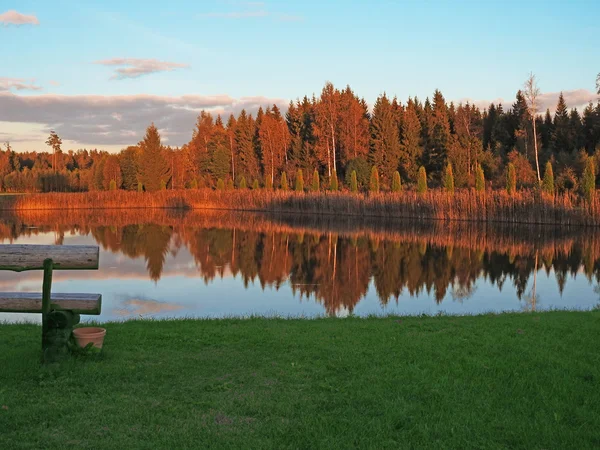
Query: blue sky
{"points": [[228, 54]]}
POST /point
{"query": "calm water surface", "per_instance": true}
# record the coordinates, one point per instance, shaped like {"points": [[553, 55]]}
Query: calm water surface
{"points": [[162, 264]]}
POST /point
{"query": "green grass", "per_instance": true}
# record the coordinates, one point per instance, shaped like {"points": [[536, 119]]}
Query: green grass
{"points": [[527, 381]]}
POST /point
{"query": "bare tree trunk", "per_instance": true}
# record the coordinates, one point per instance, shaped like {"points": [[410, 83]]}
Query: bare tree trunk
{"points": [[232, 160], [333, 149], [537, 163]]}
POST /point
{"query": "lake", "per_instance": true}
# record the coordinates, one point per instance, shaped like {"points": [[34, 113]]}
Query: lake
{"points": [[165, 264]]}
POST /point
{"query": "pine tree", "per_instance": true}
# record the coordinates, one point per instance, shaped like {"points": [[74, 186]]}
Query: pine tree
{"points": [[374, 180], [154, 170], [353, 182], [561, 127], [511, 179], [242, 184], [333, 182], [315, 186], [299, 181], [385, 139], [449, 179], [284, 182], [396, 182], [220, 185], [479, 179], [422, 181], [589, 180], [548, 182]]}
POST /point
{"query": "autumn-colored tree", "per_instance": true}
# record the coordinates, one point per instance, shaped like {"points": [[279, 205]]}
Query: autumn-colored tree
{"points": [[112, 172], [448, 179], [154, 170], [129, 162], [274, 140], [353, 127], [199, 145], [54, 142], [220, 185], [327, 118], [588, 183], [284, 182], [242, 184], [255, 185]]}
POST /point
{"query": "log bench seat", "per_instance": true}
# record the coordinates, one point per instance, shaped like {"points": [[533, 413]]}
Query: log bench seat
{"points": [[60, 312]]}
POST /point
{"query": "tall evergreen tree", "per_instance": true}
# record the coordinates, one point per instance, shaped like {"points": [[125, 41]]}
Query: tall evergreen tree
{"points": [[244, 141], [561, 139], [154, 170], [411, 148], [385, 140], [436, 151]]}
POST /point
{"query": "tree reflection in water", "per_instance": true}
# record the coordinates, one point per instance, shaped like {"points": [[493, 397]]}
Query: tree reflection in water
{"points": [[334, 260]]}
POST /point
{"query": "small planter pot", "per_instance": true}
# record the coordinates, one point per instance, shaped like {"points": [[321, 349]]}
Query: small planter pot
{"points": [[85, 336]]}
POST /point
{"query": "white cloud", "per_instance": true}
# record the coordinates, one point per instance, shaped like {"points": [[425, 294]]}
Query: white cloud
{"points": [[13, 17], [576, 98], [115, 120], [18, 84], [137, 67]]}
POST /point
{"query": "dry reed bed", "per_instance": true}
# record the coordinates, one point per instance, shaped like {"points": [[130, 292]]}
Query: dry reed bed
{"points": [[503, 238]]}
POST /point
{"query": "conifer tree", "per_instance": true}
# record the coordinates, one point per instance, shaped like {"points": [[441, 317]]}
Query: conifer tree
{"points": [[374, 180], [315, 186], [511, 179], [561, 126], [396, 182], [242, 184], [589, 180], [299, 181], [193, 184], [113, 185], [479, 179], [244, 142], [255, 185], [140, 186], [220, 184], [385, 139], [548, 182], [449, 179], [333, 182], [412, 150], [422, 181], [284, 182], [229, 185], [154, 170], [353, 182]]}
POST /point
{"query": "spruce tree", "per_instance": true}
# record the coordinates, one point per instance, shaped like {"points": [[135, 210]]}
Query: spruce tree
{"points": [[374, 181], [333, 182], [284, 182], [561, 137], [220, 185], [315, 186], [299, 181], [511, 179], [422, 181], [449, 179], [396, 182], [242, 184], [112, 185], [479, 179], [353, 182], [255, 185], [589, 180], [154, 170], [548, 182]]}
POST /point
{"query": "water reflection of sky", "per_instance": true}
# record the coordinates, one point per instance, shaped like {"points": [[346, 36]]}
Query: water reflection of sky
{"points": [[182, 290]]}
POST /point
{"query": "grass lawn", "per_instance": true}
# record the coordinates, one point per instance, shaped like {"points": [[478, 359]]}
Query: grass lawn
{"points": [[527, 381]]}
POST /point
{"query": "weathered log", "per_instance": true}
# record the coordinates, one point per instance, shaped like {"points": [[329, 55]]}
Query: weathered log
{"points": [[19, 258], [30, 302]]}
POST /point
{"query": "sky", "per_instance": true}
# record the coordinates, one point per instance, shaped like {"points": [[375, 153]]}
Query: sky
{"points": [[99, 72]]}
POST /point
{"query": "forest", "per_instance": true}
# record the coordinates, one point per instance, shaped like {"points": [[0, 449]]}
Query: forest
{"points": [[334, 141]]}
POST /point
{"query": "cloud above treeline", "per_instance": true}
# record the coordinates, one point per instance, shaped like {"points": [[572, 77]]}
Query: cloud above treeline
{"points": [[18, 84], [576, 98], [137, 67], [121, 120], [13, 17]]}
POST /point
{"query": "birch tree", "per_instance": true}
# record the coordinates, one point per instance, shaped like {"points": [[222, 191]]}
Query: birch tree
{"points": [[532, 94]]}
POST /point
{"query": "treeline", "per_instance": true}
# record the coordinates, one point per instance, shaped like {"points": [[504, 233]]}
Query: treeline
{"points": [[335, 142]]}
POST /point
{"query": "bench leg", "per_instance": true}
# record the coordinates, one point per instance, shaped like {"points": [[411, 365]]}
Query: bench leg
{"points": [[57, 326]]}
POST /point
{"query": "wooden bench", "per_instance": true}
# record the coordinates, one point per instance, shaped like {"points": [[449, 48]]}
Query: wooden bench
{"points": [[60, 312]]}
